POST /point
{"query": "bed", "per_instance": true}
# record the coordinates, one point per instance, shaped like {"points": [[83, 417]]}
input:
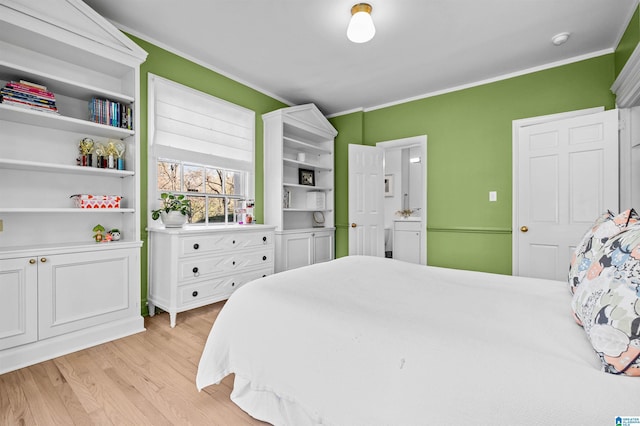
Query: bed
{"points": [[372, 341]]}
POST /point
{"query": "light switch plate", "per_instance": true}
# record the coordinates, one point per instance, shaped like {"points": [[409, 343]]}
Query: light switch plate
{"points": [[493, 196]]}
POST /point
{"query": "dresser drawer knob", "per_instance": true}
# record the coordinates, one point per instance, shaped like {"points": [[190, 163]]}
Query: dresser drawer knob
{"points": [[196, 246], [194, 294], [195, 272], [233, 284], [264, 239], [264, 275], [264, 257], [233, 263], [234, 241]]}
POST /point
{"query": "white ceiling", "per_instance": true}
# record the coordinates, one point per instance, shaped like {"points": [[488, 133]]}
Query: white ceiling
{"points": [[297, 50]]}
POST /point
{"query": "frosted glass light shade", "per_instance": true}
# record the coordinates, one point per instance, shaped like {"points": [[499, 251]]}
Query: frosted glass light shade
{"points": [[361, 28]]}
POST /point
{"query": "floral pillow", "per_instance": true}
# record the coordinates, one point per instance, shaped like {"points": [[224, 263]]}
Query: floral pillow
{"points": [[607, 303], [605, 227]]}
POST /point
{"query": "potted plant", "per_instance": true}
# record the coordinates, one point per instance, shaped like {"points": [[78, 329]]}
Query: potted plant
{"points": [[174, 211]]}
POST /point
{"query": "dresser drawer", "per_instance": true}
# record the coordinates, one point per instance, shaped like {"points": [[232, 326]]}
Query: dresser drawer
{"points": [[223, 242], [216, 289], [207, 266]]}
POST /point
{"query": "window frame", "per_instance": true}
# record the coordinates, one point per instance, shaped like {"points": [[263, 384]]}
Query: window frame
{"points": [[238, 197]]}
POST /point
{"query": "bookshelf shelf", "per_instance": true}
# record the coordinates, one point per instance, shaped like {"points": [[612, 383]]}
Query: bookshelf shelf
{"points": [[61, 122], [61, 168], [59, 85]]}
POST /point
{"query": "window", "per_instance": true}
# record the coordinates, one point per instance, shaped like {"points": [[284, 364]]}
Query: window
{"points": [[203, 147], [214, 193]]}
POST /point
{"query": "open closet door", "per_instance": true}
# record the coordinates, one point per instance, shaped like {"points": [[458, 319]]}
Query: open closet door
{"points": [[567, 175], [366, 200]]}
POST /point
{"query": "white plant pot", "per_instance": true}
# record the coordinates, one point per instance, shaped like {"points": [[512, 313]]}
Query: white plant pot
{"points": [[173, 219]]}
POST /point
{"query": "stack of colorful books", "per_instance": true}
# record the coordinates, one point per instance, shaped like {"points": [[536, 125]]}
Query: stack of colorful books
{"points": [[25, 94], [111, 113]]}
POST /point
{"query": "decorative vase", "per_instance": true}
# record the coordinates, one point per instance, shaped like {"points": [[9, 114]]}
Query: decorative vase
{"points": [[173, 219]]}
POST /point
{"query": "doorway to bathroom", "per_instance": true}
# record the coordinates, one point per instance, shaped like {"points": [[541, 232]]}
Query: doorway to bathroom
{"points": [[405, 198]]}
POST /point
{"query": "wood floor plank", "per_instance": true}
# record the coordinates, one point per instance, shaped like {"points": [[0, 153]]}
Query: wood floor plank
{"points": [[66, 393], [43, 397], [144, 379], [18, 399], [7, 414]]}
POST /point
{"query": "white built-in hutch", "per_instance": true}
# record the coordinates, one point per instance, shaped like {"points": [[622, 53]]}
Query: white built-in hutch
{"points": [[299, 185], [60, 290]]}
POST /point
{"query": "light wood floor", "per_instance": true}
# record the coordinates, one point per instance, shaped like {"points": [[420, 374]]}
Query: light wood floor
{"points": [[144, 379]]}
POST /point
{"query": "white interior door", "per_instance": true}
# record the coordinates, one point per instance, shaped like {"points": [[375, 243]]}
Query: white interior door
{"points": [[366, 200], [567, 175]]}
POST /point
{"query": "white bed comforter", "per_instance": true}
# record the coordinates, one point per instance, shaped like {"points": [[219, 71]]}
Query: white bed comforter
{"points": [[370, 341]]}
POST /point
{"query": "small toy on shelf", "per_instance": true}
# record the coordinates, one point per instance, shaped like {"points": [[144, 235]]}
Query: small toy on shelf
{"points": [[98, 233], [114, 234]]}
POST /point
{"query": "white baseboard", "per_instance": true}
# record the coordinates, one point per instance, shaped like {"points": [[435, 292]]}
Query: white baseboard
{"points": [[43, 350]]}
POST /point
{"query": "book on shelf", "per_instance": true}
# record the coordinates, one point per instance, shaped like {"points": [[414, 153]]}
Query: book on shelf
{"points": [[111, 113], [28, 95], [32, 84]]}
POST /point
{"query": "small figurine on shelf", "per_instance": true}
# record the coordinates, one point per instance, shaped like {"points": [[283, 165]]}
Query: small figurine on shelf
{"points": [[100, 161], [114, 234], [98, 233], [111, 153], [120, 147], [85, 147]]}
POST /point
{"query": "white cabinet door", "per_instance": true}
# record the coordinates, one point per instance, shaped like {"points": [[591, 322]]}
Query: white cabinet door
{"points": [[322, 246], [18, 302], [81, 290], [297, 251], [406, 246]]}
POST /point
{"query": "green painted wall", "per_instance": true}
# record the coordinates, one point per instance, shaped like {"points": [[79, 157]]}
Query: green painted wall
{"points": [[628, 43], [183, 71], [469, 143], [469, 154]]}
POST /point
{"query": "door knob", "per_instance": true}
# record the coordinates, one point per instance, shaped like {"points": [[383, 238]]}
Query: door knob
{"points": [[353, 225], [524, 229]]}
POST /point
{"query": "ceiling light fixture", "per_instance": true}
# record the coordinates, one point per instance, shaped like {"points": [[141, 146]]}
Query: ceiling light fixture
{"points": [[361, 28], [559, 39]]}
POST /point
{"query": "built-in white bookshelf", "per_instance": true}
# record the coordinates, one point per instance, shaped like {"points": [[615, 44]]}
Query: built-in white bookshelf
{"points": [[299, 140], [61, 290]]}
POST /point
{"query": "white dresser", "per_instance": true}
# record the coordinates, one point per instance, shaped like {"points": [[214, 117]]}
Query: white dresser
{"points": [[196, 266]]}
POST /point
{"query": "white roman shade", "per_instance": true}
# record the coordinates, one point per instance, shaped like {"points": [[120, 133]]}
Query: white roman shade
{"points": [[188, 125]]}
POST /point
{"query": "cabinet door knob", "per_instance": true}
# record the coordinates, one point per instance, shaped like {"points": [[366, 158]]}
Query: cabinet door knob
{"points": [[194, 294], [43, 259], [196, 246], [32, 261], [353, 225]]}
